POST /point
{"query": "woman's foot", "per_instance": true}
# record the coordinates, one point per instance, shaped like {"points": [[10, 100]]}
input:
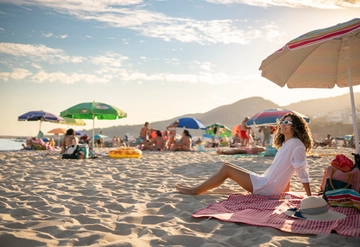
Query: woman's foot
{"points": [[185, 189]]}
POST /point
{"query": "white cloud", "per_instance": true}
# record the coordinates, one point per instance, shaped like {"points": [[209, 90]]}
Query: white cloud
{"points": [[20, 73], [36, 66], [150, 23], [64, 36], [38, 53], [47, 35], [321, 4], [2, 29], [60, 77], [109, 60], [4, 76]]}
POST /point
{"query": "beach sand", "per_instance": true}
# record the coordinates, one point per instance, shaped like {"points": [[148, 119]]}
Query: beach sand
{"points": [[47, 201]]}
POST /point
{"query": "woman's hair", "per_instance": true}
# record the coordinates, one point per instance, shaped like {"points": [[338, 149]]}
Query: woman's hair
{"points": [[186, 132], [299, 128], [69, 132], [158, 133]]}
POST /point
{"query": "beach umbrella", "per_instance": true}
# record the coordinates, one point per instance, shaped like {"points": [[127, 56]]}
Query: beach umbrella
{"points": [[58, 132], [320, 59], [73, 121], [97, 136], [271, 117], [191, 123], [218, 129], [41, 116], [92, 110], [235, 129]]}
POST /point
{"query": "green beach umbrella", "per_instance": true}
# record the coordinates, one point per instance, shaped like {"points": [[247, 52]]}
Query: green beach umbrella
{"points": [[218, 129], [92, 110]]}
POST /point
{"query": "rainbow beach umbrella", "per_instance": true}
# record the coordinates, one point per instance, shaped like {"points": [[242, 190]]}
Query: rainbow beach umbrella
{"points": [[321, 58]]}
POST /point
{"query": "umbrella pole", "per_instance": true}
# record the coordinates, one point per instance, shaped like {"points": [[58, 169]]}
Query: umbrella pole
{"points": [[93, 133], [353, 114]]}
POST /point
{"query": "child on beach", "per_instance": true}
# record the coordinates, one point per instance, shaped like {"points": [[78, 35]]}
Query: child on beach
{"points": [[293, 139]]}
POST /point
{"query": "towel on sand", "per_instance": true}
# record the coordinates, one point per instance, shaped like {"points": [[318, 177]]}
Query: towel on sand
{"points": [[268, 211]]}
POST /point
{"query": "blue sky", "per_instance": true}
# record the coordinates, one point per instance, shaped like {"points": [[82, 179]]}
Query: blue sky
{"points": [[153, 59]]}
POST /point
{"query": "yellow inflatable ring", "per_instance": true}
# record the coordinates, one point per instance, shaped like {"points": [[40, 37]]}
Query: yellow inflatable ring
{"points": [[125, 153]]}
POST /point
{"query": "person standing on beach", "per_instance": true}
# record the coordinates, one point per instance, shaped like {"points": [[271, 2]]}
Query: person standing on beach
{"points": [[172, 133], [293, 139], [245, 133], [145, 132]]}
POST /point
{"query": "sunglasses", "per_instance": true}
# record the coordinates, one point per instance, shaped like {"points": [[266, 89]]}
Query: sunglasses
{"points": [[286, 122]]}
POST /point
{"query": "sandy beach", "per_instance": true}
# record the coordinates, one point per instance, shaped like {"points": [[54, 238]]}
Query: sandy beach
{"points": [[47, 201]]}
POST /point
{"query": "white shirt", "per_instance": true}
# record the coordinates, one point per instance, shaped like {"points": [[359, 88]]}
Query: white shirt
{"points": [[290, 158]]}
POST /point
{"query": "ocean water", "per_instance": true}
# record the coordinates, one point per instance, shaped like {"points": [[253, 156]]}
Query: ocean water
{"points": [[10, 144]]}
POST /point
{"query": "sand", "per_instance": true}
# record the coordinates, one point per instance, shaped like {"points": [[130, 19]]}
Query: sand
{"points": [[47, 201]]}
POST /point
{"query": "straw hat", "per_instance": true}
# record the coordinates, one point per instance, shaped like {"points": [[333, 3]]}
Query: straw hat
{"points": [[314, 208], [176, 121]]}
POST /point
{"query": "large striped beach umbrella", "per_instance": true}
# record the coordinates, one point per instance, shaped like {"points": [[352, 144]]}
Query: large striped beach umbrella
{"points": [[319, 59]]}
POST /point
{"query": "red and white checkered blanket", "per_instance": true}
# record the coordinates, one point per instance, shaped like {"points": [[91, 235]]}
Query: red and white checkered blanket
{"points": [[268, 211]]}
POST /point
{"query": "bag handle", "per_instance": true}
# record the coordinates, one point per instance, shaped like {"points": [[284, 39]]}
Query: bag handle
{"points": [[350, 175]]}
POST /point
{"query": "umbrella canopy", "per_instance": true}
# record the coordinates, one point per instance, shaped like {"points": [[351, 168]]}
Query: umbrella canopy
{"points": [[218, 129], [92, 110], [271, 116], [235, 129], [73, 121], [41, 116], [191, 123], [97, 136], [57, 131], [319, 59]]}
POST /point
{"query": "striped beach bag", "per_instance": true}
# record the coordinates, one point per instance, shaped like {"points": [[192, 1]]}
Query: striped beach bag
{"points": [[343, 198]]}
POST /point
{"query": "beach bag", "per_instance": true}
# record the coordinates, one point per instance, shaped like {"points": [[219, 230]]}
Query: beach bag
{"points": [[343, 198], [336, 179], [72, 152], [342, 163]]}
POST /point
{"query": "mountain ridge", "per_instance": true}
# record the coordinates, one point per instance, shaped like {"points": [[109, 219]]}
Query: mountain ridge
{"points": [[232, 114]]}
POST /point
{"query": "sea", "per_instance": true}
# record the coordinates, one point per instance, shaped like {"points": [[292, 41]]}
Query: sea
{"points": [[11, 144]]}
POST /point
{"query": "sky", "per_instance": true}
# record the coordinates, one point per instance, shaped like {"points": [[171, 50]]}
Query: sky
{"points": [[153, 59]]}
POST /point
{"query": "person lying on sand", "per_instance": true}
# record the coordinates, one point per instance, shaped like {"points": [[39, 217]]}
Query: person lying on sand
{"points": [[293, 139], [241, 150]]}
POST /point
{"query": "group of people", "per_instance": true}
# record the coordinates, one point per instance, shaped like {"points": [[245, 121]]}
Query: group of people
{"points": [[165, 140]]}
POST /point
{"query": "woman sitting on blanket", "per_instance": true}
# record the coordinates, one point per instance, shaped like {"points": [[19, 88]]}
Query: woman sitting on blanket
{"points": [[241, 150], [293, 139]]}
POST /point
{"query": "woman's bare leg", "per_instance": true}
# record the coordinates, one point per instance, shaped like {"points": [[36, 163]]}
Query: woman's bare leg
{"points": [[240, 175]]}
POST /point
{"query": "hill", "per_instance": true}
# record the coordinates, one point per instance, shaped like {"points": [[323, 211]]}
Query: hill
{"points": [[233, 114]]}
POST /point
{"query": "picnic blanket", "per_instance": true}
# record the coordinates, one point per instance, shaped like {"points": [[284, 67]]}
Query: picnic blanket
{"points": [[268, 211]]}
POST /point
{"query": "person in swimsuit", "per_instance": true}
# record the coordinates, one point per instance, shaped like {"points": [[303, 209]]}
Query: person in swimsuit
{"points": [[171, 134], [244, 133], [145, 132], [293, 139], [69, 139], [184, 144], [156, 144], [241, 150]]}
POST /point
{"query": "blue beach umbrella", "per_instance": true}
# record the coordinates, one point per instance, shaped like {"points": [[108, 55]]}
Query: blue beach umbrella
{"points": [[41, 116], [191, 123]]}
